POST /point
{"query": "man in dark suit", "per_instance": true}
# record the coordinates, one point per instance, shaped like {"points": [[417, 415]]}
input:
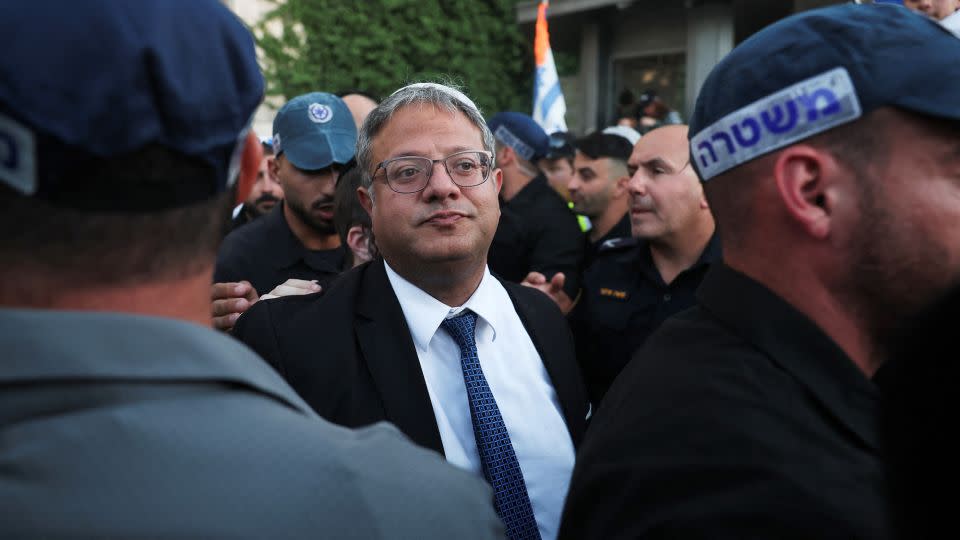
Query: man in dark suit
{"points": [[468, 365]]}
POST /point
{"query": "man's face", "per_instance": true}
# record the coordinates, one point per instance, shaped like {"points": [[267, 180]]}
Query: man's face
{"points": [[559, 172], [905, 242], [937, 9], [444, 223], [665, 193], [266, 191], [591, 186], [309, 194]]}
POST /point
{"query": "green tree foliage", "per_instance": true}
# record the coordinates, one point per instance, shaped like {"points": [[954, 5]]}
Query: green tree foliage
{"points": [[380, 45]]}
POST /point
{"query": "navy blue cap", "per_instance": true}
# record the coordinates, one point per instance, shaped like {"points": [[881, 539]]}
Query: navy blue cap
{"points": [[521, 133], [817, 70], [315, 131], [85, 81]]}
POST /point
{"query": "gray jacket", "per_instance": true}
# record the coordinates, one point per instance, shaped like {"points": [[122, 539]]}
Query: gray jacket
{"points": [[126, 426]]}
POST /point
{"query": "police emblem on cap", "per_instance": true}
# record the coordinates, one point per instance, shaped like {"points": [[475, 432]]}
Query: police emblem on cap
{"points": [[320, 113]]}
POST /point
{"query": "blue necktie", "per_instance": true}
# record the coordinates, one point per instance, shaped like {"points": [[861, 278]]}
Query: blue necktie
{"points": [[500, 465]]}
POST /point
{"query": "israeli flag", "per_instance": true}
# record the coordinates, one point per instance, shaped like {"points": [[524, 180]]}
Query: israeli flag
{"points": [[549, 107]]}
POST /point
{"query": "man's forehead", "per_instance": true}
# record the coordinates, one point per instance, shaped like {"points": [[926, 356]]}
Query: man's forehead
{"points": [[424, 118], [667, 143], [583, 160]]}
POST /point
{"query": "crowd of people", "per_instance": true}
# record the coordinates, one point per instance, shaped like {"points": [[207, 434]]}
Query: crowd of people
{"points": [[402, 318]]}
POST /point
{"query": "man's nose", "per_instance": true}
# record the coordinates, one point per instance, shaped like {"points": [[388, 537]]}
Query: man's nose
{"points": [[440, 184]]}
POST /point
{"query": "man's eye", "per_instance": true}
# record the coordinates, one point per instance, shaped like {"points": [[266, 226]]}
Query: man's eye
{"points": [[465, 166], [405, 173]]}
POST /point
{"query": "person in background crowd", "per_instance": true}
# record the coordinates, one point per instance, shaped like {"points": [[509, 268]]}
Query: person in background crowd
{"points": [[360, 104], [754, 415], [537, 233], [404, 337], [122, 414], [264, 195], [598, 187], [352, 220], [313, 138], [636, 283], [557, 166], [653, 112], [938, 9], [353, 226], [557, 162], [626, 113]]}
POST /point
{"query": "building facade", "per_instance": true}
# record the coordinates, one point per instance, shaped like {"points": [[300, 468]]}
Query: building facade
{"points": [[624, 47]]}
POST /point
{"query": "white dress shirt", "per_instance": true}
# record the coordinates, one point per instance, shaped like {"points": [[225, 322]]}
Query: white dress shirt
{"points": [[517, 378]]}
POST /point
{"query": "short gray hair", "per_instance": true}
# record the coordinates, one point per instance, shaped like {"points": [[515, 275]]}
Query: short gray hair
{"points": [[441, 96]]}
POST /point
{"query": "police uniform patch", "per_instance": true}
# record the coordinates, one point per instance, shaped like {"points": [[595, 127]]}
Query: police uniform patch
{"points": [[617, 243], [613, 293], [320, 113]]}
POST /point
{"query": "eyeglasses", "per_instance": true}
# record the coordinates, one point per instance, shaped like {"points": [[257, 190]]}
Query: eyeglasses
{"points": [[410, 174]]}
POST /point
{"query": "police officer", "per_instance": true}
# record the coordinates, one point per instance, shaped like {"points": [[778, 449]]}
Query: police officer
{"points": [[832, 173], [598, 187], [635, 283], [537, 232], [122, 414]]}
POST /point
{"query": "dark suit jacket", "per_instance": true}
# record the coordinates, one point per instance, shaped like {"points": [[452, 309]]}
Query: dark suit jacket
{"points": [[348, 352]]}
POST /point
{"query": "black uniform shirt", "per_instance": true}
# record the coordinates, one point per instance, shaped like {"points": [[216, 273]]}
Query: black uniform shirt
{"points": [[266, 253], [624, 299], [538, 233], [613, 237], [738, 418]]}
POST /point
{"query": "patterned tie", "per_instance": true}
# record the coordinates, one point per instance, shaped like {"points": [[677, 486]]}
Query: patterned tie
{"points": [[500, 465]]}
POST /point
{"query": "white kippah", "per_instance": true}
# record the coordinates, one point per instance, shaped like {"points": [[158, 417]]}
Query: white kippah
{"points": [[460, 96], [626, 132]]}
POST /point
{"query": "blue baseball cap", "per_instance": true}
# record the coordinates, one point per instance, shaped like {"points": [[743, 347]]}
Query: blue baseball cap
{"points": [[817, 70], [315, 131], [81, 82], [521, 133]]}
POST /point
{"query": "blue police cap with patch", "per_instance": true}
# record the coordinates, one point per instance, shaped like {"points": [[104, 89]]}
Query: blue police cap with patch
{"points": [[87, 81], [315, 131], [817, 70], [521, 133]]}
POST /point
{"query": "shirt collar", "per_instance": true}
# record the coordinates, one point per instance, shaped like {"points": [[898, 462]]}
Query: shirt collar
{"points": [[424, 313]]}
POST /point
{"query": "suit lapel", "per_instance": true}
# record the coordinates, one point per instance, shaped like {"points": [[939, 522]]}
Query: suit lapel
{"points": [[558, 358], [389, 353]]}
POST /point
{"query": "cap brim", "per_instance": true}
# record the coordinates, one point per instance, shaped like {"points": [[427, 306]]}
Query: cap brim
{"points": [[315, 153]]}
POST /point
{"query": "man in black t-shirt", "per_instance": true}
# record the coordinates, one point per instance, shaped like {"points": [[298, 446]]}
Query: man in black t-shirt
{"points": [[313, 138]]}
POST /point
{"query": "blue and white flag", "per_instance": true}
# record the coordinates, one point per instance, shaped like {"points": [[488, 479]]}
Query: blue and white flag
{"points": [[548, 105]]}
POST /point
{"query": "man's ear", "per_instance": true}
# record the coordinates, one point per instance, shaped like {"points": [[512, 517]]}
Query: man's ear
{"points": [[273, 168], [505, 155], [359, 244], [806, 181], [621, 187], [250, 158], [365, 200]]}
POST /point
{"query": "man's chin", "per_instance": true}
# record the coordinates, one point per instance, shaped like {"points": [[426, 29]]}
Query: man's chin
{"points": [[262, 209], [324, 227]]}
